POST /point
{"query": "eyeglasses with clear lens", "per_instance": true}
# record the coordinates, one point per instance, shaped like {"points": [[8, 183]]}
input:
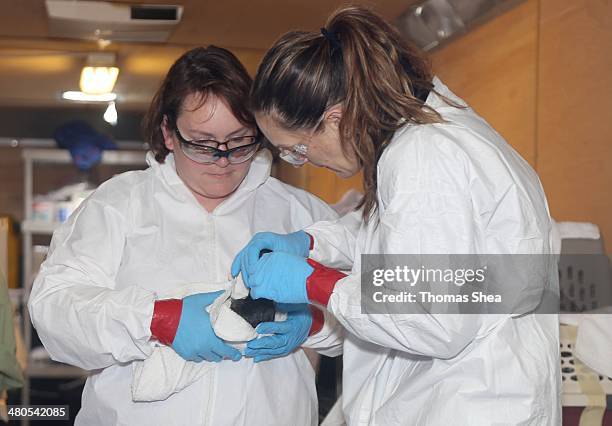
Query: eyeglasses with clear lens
{"points": [[206, 151], [296, 156]]}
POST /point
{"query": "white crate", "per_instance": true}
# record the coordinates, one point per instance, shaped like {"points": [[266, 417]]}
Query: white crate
{"points": [[585, 280], [572, 369]]}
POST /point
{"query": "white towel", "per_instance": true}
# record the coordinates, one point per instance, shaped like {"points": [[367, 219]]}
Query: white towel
{"points": [[165, 372], [594, 338]]}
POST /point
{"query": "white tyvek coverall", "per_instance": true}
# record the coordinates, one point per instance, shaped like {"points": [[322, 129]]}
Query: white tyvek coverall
{"points": [[455, 187], [143, 232]]}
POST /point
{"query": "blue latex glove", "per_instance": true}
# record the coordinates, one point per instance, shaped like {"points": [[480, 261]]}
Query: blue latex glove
{"points": [[195, 339], [297, 243], [286, 336], [280, 277]]}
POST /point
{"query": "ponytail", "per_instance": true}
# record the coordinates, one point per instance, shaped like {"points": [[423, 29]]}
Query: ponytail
{"points": [[360, 61]]}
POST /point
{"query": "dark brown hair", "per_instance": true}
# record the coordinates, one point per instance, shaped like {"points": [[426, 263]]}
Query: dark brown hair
{"points": [[360, 61], [205, 71]]}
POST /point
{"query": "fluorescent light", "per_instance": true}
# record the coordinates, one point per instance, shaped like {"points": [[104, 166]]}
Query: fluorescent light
{"points": [[84, 97], [98, 80], [110, 115]]}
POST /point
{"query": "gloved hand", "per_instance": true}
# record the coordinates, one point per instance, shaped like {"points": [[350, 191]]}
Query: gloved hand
{"points": [[193, 338], [280, 277], [297, 243], [286, 278], [285, 336]]}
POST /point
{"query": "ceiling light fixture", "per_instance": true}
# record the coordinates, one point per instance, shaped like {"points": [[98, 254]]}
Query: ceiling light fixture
{"points": [[100, 74], [73, 95], [98, 80]]}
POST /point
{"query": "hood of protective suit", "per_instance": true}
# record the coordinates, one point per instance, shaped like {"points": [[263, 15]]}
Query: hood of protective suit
{"points": [[258, 173]]}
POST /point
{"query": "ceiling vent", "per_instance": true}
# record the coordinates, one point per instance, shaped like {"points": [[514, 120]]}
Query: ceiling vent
{"points": [[96, 20]]}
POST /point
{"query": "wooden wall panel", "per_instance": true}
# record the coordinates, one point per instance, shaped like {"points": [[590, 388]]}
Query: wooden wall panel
{"points": [[493, 68], [292, 175], [321, 182], [575, 110], [344, 185]]}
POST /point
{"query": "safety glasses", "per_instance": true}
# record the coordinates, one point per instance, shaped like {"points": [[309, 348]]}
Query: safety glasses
{"points": [[206, 151], [296, 155]]}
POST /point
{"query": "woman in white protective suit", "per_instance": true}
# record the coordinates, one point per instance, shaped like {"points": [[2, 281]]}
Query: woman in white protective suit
{"points": [[438, 180], [207, 190]]}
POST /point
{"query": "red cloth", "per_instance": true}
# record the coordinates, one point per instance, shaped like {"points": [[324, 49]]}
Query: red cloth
{"points": [[317, 320], [311, 241], [320, 284], [166, 317]]}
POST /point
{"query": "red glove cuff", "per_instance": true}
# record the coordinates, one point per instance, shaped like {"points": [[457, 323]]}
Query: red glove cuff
{"points": [[166, 317], [320, 284], [311, 241], [318, 319]]}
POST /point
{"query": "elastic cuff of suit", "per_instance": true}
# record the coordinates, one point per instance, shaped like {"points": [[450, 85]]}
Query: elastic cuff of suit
{"points": [[166, 317], [318, 319], [320, 284]]}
